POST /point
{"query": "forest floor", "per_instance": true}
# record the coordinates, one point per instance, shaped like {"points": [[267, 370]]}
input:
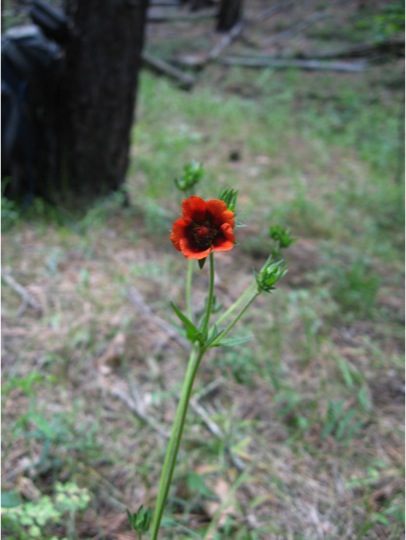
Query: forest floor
{"points": [[310, 413]]}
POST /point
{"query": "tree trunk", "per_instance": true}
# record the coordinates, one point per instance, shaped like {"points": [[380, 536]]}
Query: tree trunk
{"points": [[230, 14], [100, 82]]}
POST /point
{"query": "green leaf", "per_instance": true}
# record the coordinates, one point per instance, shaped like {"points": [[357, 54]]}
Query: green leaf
{"points": [[130, 518], [140, 521], [201, 262], [10, 499], [345, 372], [192, 333], [43, 426], [231, 342], [196, 483]]}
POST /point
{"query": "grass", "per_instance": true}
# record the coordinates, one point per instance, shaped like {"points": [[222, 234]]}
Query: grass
{"points": [[312, 407]]}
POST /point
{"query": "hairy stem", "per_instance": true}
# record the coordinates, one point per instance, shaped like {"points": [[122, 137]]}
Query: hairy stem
{"points": [[189, 277], [248, 292], [174, 443], [234, 322], [210, 297]]}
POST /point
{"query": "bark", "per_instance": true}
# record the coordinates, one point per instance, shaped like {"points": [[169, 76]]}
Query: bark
{"points": [[100, 81], [229, 15]]}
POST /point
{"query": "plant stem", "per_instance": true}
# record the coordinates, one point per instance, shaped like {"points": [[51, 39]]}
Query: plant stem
{"points": [[210, 297], [176, 435], [232, 324], [189, 288], [237, 303]]}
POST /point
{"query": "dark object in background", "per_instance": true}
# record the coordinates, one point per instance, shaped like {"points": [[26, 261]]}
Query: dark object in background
{"points": [[230, 13], [31, 63], [100, 82]]}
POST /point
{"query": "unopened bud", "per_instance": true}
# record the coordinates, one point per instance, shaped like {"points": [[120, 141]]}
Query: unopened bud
{"points": [[229, 196], [270, 273], [192, 174]]}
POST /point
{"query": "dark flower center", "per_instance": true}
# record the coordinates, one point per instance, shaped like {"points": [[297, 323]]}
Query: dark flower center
{"points": [[204, 234]]}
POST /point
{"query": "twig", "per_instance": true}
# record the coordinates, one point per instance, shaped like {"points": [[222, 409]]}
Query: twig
{"points": [[225, 41], [201, 60], [389, 47], [158, 65], [137, 300], [296, 28], [269, 12], [22, 292], [148, 420], [286, 63]]}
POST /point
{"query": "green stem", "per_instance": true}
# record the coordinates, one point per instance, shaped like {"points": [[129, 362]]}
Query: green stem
{"points": [[210, 297], [237, 303], [176, 435], [189, 288], [234, 322]]}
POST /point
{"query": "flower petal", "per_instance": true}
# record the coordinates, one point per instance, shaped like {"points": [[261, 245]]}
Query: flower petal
{"points": [[225, 240], [192, 252], [218, 209], [194, 208], [179, 231]]}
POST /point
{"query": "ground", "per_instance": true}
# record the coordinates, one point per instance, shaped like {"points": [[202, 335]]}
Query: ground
{"points": [[308, 416]]}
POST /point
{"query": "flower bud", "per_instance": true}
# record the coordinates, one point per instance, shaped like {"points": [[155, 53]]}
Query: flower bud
{"points": [[192, 174], [140, 521], [281, 235], [229, 196], [270, 273]]}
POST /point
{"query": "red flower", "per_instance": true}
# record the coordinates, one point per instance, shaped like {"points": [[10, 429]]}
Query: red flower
{"points": [[205, 226]]}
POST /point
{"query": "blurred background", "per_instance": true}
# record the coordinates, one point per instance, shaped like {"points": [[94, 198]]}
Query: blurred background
{"points": [[298, 434]]}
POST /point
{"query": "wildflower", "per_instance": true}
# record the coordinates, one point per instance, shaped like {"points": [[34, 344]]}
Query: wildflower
{"points": [[205, 226]]}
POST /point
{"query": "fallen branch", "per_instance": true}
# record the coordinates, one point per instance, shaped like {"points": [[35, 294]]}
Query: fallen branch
{"points": [[270, 12], [296, 28], [286, 63], [161, 67], [393, 47], [28, 300], [225, 41], [199, 61], [137, 300]]}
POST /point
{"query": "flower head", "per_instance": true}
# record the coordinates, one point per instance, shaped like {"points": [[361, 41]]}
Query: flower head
{"points": [[205, 226]]}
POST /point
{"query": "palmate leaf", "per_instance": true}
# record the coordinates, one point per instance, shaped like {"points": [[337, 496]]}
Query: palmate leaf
{"points": [[192, 333]]}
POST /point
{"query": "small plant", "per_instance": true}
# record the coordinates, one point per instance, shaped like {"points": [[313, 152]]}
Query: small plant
{"points": [[35, 519]]}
